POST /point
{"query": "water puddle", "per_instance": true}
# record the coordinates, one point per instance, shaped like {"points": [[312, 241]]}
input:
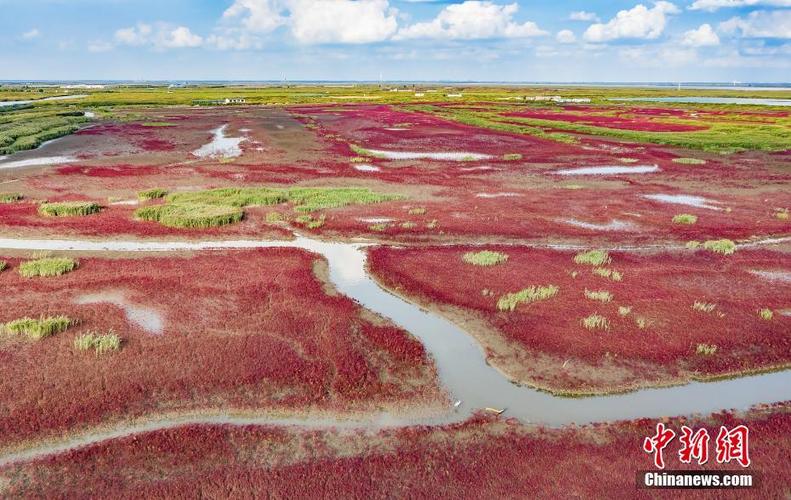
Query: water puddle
{"points": [[375, 220], [414, 155], [485, 167], [367, 168], [460, 360], [783, 276], [37, 162], [221, 146], [125, 202], [396, 129], [684, 199], [146, 318], [496, 195], [613, 225], [56, 98], [609, 170], [90, 114]]}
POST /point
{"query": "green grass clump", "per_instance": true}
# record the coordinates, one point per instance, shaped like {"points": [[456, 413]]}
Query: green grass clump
{"points": [[37, 329], [608, 273], [190, 215], [600, 295], [509, 301], [596, 322], [417, 211], [361, 151], [703, 306], [231, 197], [304, 199], [158, 124], [512, 157], [273, 217], [781, 214], [152, 194], [766, 314], [624, 310], [10, 197], [688, 219], [379, 227], [484, 258], [706, 349], [310, 222], [99, 342], [593, 258], [408, 225], [48, 266], [689, 161], [68, 209], [724, 247], [3, 265], [358, 159]]}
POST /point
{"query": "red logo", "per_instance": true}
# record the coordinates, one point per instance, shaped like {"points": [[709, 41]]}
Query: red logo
{"points": [[731, 445]]}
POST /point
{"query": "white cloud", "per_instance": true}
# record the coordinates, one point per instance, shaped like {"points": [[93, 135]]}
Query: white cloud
{"points": [[342, 21], [160, 36], [136, 35], [471, 20], [100, 46], [703, 36], [712, 5], [658, 57], [261, 16], [566, 36], [29, 35], [639, 22], [760, 24], [581, 15]]}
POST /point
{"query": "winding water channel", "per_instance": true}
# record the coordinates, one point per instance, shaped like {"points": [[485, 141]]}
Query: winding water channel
{"points": [[459, 359]]}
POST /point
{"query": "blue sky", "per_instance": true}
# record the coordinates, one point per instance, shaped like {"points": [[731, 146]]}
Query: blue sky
{"points": [[528, 40]]}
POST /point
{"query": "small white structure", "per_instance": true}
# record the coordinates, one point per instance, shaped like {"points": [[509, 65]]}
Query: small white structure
{"points": [[453, 96], [234, 100], [419, 94]]}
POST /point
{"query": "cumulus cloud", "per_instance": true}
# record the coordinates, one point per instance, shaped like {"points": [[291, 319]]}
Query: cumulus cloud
{"points": [[471, 20], [29, 35], [342, 21], [100, 46], [260, 16], [313, 21], [703, 36], [581, 15], [661, 56], [639, 22], [160, 36], [712, 5], [566, 36], [760, 24]]}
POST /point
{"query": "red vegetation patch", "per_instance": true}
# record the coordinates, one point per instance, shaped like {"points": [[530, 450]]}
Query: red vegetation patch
{"points": [[658, 289], [244, 330], [478, 459], [113, 171], [646, 125]]}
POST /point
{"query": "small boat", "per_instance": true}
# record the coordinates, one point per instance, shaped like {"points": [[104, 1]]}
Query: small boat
{"points": [[495, 410]]}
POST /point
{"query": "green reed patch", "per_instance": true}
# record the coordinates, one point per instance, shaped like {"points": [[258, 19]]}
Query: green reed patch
{"points": [[68, 209], [191, 215], [99, 342], [47, 267], [152, 194], [724, 247], [593, 258], [510, 301], [689, 161], [706, 349], [10, 197], [687, 219], [484, 258], [37, 329], [598, 295], [596, 322]]}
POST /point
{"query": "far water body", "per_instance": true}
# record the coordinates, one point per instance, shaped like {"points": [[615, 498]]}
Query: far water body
{"points": [[710, 100], [56, 98]]}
